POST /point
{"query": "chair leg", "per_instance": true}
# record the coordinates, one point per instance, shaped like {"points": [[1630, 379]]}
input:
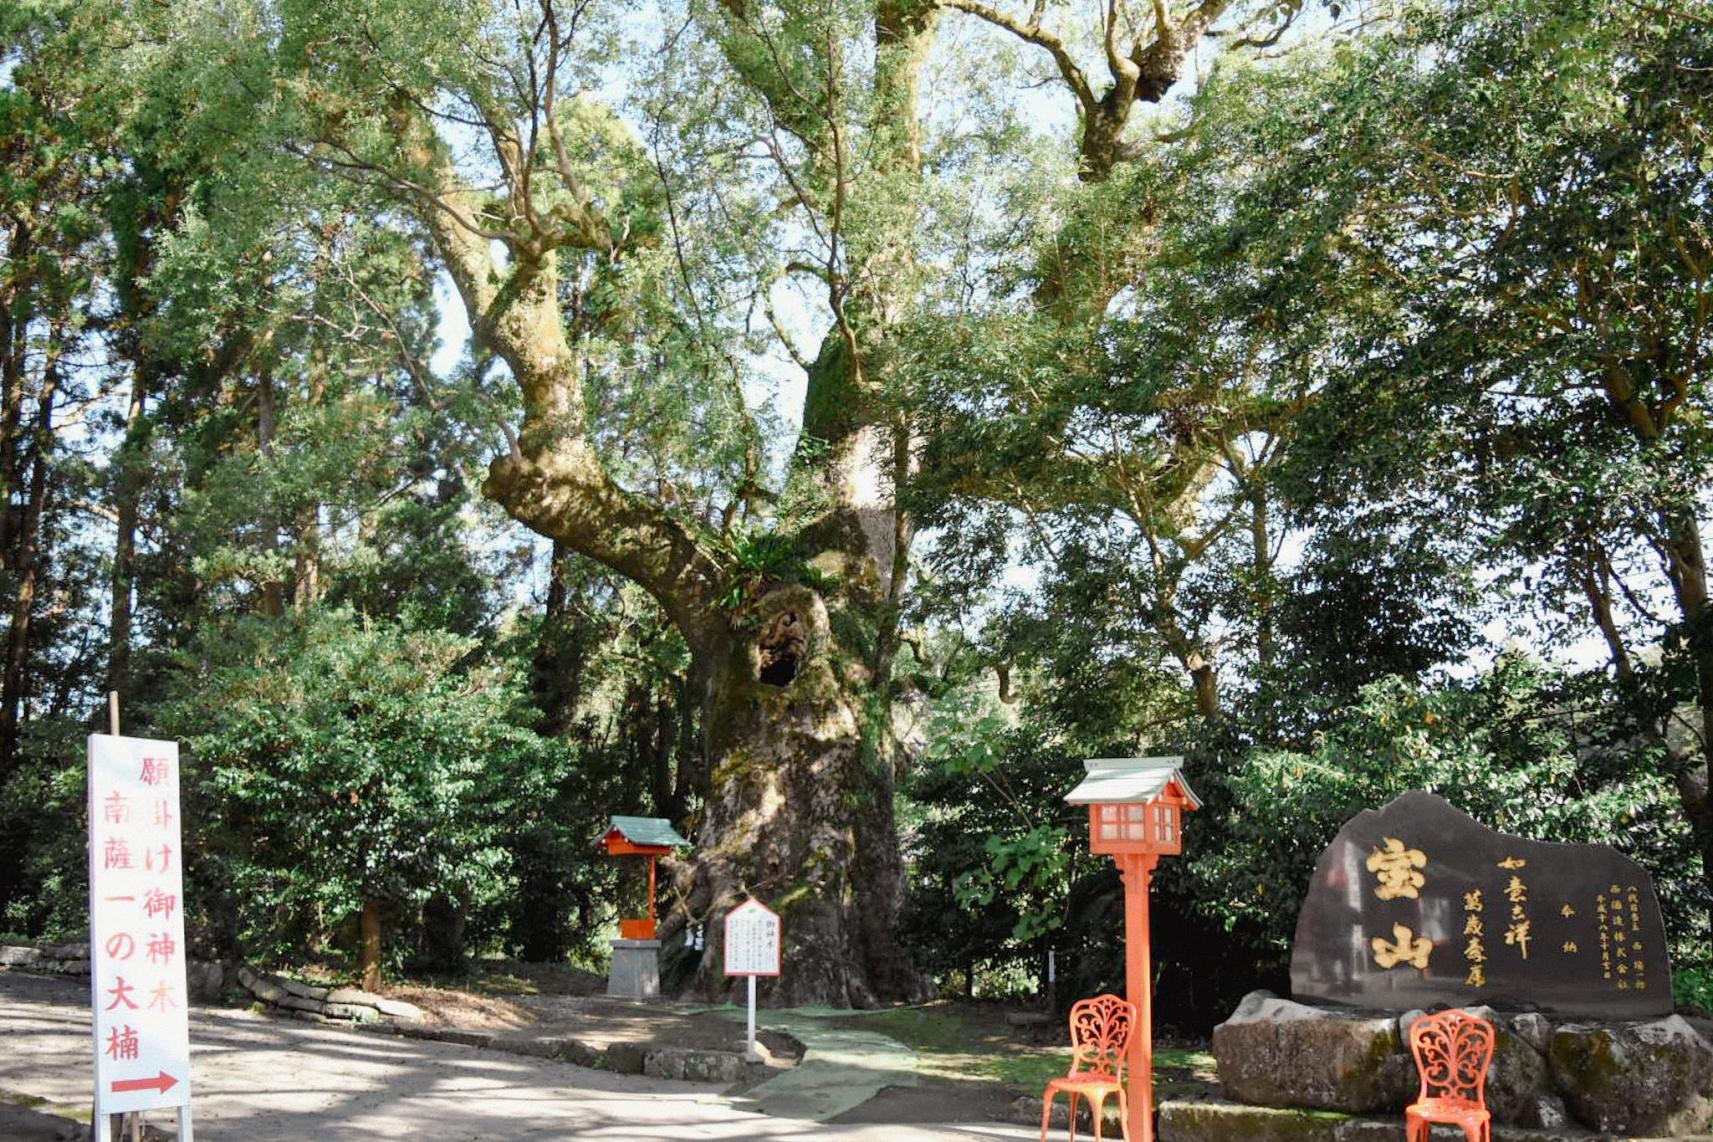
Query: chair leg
{"points": [[1097, 1111], [1123, 1115], [1073, 1095], [1046, 1113]]}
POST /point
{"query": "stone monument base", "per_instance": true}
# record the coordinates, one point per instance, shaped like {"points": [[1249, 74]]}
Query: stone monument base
{"points": [[636, 970], [1214, 1121], [1645, 1077]]}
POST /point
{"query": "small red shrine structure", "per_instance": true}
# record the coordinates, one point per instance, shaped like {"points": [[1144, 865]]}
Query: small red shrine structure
{"points": [[1135, 815], [652, 837]]}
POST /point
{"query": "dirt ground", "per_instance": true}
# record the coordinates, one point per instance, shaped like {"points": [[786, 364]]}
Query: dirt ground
{"points": [[976, 1060], [260, 1078], [936, 1100], [511, 996]]}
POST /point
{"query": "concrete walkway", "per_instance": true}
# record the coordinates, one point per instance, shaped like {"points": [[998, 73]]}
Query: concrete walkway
{"points": [[841, 1068], [262, 1079]]}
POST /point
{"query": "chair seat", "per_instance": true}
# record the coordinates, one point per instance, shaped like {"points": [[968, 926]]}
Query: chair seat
{"points": [[1446, 1110], [1086, 1080]]}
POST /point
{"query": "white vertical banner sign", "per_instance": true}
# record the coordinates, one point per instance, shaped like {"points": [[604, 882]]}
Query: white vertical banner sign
{"points": [[752, 948], [136, 929]]}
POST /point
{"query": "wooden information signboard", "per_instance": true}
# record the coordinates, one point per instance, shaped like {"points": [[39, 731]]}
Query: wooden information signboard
{"points": [[752, 940], [752, 948], [136, 930]]}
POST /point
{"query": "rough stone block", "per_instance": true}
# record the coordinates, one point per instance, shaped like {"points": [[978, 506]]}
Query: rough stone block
{"points": [[1026, 1111], [1274, 1052], [1215, 1121], [536, 1046], [1532, 1028], [18, 956], [352, 995], [206, 980], [398, 1009], [355, 1012], [1518, 1080], [1225, 1122], [1638, 1078], [299, 1003], [264, 988], [300, 989], [580, 1053], [624, 1058], [693, 1065]]}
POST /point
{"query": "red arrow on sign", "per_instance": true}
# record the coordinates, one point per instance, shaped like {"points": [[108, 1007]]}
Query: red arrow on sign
{"points": [[161, 1082]]}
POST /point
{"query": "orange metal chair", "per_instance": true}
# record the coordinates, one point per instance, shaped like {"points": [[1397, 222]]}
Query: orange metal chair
{"points": [[1453, 1050], [1100, 1035]]}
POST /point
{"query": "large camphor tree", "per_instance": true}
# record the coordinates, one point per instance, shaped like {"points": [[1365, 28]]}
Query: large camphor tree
{"points": [[605, 258], [569, 235]]}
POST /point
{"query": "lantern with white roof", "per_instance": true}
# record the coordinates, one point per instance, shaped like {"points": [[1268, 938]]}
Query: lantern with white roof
{"points": [[1135, 815]]}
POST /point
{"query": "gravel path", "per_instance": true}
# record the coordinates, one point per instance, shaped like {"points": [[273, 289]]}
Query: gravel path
{"points": [[263, 1079]]}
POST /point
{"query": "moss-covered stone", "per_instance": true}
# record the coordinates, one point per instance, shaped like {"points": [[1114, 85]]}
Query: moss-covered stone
{"points": [[1274, 1052], [1635, 1078], [1228, 1122]]}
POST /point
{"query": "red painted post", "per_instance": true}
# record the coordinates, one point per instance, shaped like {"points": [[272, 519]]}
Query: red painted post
{"points": [[1137, 869], [1134, 816]]}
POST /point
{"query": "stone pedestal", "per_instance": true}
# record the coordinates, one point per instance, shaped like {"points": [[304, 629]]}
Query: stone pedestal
{"points": [[1633, 1078], [636, 970]]}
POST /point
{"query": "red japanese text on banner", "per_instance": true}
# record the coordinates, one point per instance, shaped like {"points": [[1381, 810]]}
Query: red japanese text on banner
{"points": [[136, 926]]}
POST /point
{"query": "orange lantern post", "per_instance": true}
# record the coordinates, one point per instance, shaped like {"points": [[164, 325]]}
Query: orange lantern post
{"points": [[1135, 815]]}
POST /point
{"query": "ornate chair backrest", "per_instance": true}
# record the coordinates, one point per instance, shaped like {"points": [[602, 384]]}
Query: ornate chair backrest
{"points": [[1100, 1034], [1452, 1051]]}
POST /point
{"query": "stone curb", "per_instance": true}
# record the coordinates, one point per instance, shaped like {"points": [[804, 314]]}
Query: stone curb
{"points": [[336, 1004], [691, 1064], [206, 980]]}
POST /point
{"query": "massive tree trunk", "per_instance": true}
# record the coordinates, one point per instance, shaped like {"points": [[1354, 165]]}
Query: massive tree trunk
{"points": [[799, 810], [799, 806]]}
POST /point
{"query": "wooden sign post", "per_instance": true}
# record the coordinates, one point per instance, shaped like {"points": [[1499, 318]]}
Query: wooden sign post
{"points": [[753, 940], [136, 931]]}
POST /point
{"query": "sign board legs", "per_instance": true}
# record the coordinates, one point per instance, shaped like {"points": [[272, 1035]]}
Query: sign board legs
{"points": [[131, 1122], [749, 1051]]}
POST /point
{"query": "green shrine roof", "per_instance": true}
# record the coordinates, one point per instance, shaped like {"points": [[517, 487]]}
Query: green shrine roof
{"points": [[1112, 780], [647, 831]]}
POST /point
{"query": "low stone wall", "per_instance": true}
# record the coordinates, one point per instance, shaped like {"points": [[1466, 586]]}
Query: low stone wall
{"points": [[1229, 1122], [1652, 1078], [206, 980], [346, 1004]]}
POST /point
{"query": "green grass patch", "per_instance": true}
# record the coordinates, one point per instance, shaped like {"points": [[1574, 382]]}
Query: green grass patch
{"points": [[961, 1043], [46, 1106]]}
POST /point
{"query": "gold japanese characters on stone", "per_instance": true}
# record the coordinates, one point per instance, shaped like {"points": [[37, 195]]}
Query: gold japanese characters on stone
{"points": [[1395, 868]]}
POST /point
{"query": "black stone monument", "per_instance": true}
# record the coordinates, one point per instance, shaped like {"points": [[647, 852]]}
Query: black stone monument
{"points": [[1416, 904]]}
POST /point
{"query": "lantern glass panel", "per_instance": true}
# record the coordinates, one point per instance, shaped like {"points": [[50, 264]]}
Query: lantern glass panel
{"points": [[1109, 825]]}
